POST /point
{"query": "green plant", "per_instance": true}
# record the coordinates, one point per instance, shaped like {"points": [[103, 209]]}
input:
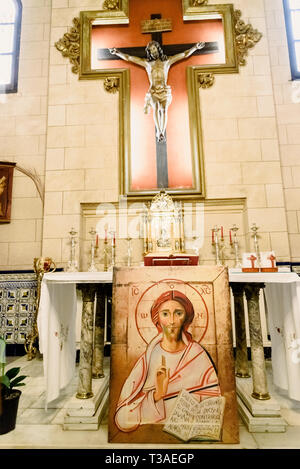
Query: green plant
{"points": [[9, 380]]}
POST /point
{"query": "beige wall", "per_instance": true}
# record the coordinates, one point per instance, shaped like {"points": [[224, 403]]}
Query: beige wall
{"points": [[241, 140], [23, 127], [287, 107], [69, 133]]}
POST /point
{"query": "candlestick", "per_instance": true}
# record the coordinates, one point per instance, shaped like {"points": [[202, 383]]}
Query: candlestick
{"points": [[254, 229], [113, 250], [145, 230], [94, 245], [129, 252], [216, 244], [181, 224], [105, 255], [235, 244], [72, 263]]}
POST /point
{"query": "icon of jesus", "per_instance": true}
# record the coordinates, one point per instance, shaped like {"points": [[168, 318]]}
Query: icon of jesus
{"points": [[172, 361]]}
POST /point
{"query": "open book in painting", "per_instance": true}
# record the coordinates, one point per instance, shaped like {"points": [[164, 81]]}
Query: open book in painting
{"points": [[193, 420]]}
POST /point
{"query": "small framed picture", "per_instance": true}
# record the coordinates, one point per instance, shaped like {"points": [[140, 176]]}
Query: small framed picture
{"points": [[250, 262], [6, 182], [268, 262]]}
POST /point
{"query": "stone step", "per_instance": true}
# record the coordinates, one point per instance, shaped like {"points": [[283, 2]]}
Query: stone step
{"points": [[260, 424], [88, 423], [88, 407], [257, 408]]}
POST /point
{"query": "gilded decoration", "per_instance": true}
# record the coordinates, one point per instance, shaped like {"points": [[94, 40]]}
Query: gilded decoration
{"points": [[163, 225], [197, 3], [69, 45], [246, 37], [206, 80], [111, 5], [112, 84]]}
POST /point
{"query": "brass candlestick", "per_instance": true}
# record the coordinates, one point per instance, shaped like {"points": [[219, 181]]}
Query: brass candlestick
{"points": [[94, 245], [129, 252], [113, 250], [105, 256], [41, 265]]}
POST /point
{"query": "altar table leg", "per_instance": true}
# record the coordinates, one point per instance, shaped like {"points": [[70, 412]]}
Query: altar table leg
{"points": [[260, 384], [84, 390], [99, 334], [242, 367]]}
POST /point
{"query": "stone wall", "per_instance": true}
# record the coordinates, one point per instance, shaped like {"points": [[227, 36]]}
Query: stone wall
{"points": [[23, 130], [287, 108]]}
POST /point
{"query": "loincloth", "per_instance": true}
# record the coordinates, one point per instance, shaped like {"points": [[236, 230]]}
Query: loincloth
{"points": [[159, 94]]}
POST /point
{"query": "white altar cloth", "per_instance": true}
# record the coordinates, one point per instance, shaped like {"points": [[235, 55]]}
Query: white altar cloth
{"points": [[57, 324], [282, 295]]}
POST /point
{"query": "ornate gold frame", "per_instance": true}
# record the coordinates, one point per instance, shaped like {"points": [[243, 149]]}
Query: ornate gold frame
{"points": [[239, 37]]}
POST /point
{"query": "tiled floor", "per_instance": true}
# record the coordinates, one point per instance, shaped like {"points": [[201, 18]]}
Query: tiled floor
{"points": [[38, 429]]}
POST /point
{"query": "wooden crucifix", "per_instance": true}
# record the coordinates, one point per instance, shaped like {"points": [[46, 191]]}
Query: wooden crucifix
{"points": [[159, 96]]}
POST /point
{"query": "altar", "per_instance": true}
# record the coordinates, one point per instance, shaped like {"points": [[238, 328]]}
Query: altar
{"points": [[57, 318], [57, 334]]}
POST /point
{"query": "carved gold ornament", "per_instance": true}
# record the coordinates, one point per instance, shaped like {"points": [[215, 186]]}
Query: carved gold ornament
{"points": [[111, 84], [206, 80], [41, 266], [198, 3], [69, 45], [111, 5], [246, 37]]}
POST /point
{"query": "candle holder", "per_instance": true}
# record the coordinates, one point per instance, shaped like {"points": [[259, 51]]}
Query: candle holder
{"points": [[196, 248], [255, 237], [235, 244], [217, 243], [145, 230], [181, 228], [129, 252], [41, 266], [94, 245], [72, 263], [113, 250]]}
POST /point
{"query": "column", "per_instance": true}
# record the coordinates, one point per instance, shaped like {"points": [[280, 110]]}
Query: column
{"points": [[260, 384], [84, 390], [99, 333], [242, 367]]}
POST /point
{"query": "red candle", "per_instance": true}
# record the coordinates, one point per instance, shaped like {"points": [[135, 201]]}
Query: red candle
{"points": [[222, 234], [114, 239], [213, 236], [97, 240], [230, 238], [105, 234]]}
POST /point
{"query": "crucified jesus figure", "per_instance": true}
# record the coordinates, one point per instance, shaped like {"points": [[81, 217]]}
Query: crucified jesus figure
{"points": [[157, 66]]}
